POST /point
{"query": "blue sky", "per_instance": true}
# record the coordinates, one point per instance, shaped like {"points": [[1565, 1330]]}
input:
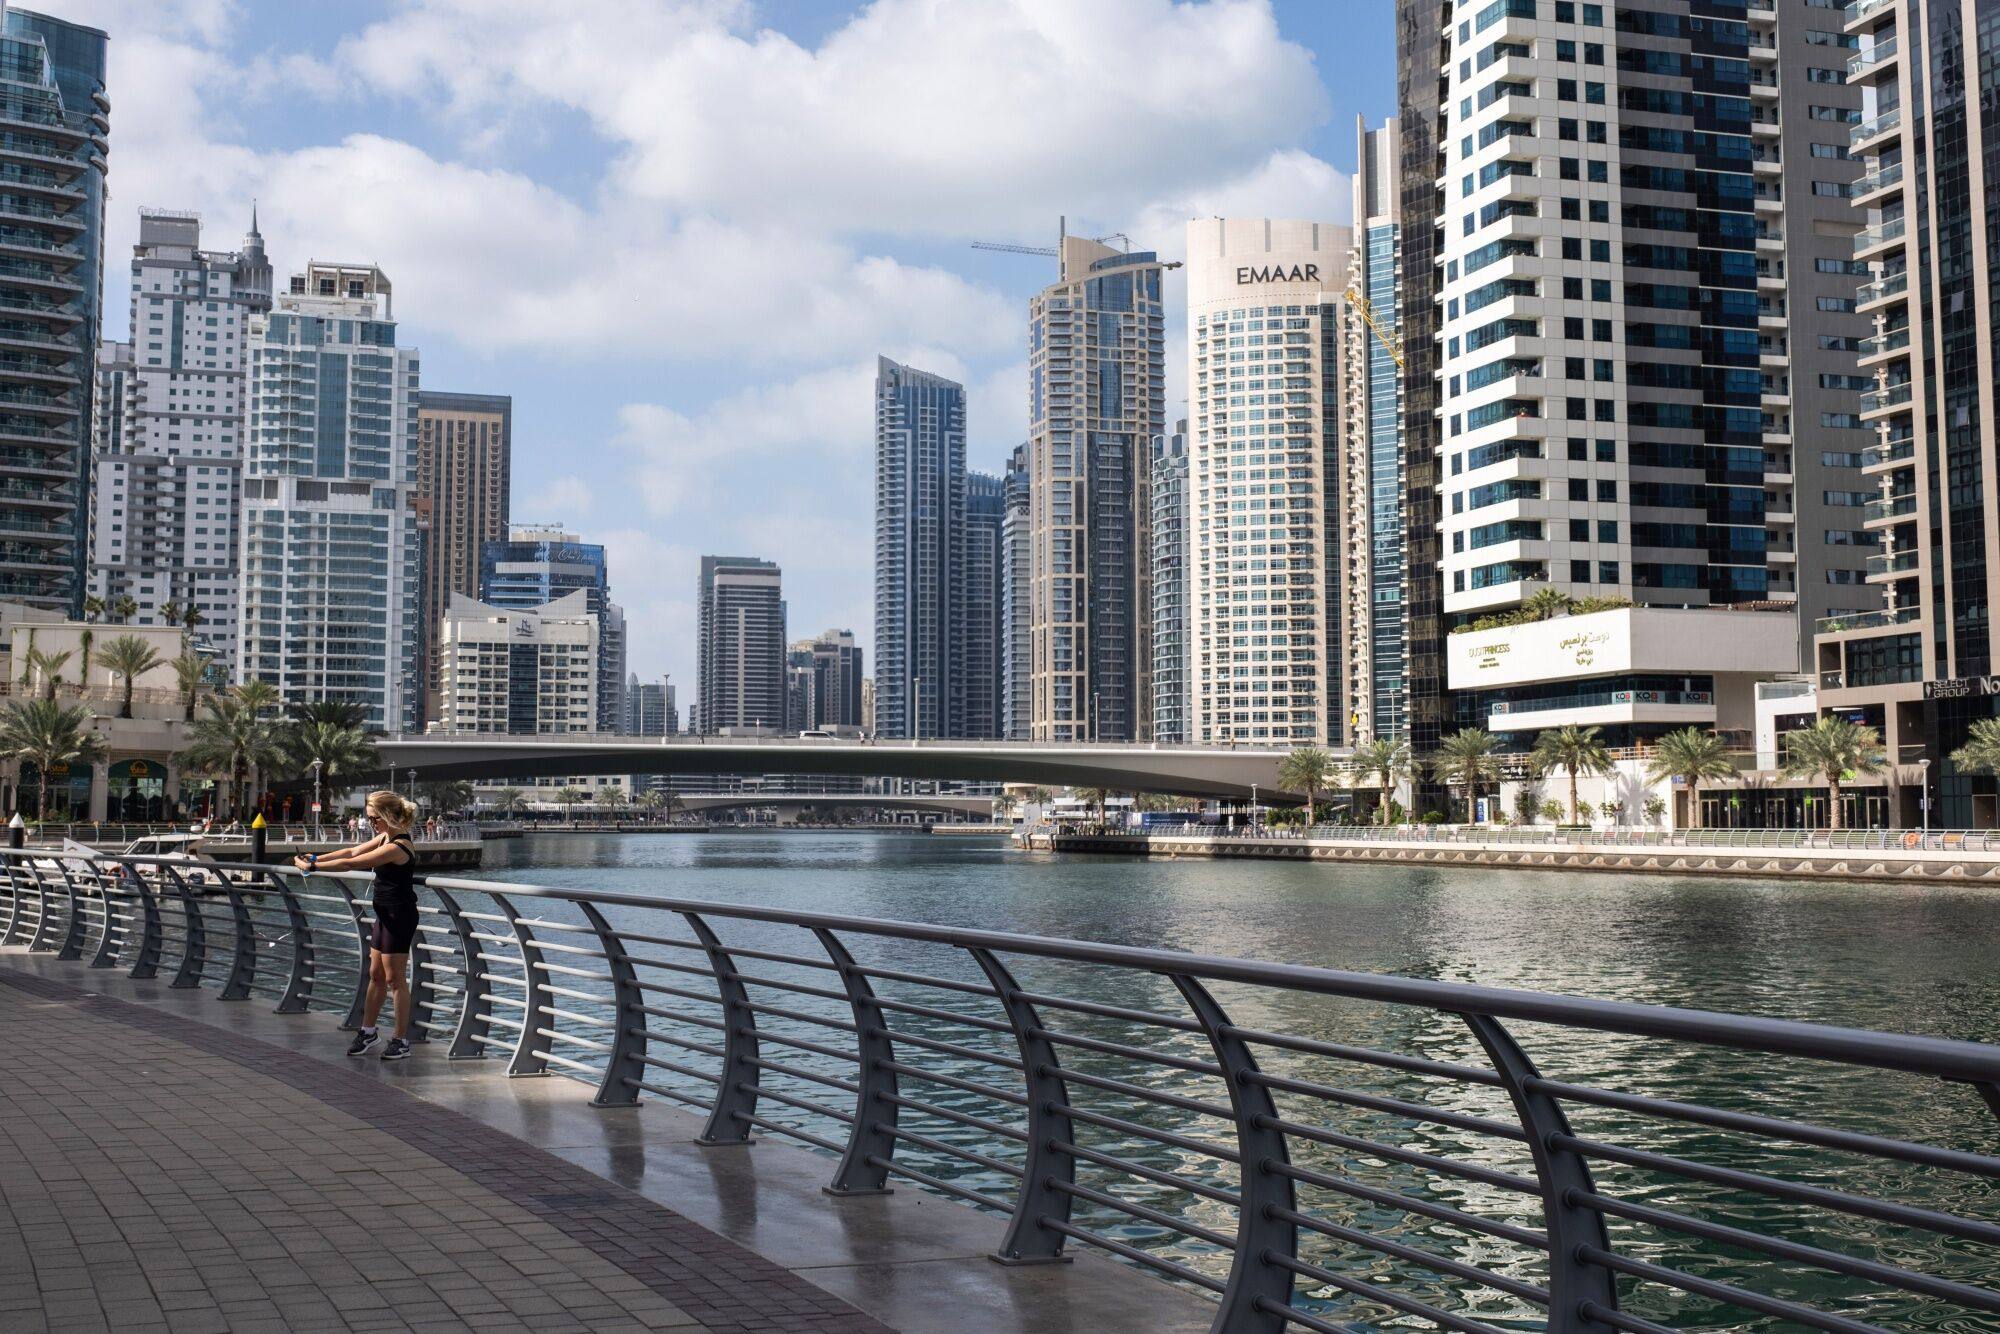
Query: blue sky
{"points": [[679, 233]]}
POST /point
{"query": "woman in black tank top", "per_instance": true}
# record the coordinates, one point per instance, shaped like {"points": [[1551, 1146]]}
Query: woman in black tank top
{"points": [[393, 858]]}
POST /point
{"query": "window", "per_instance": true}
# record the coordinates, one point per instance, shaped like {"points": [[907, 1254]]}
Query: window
{"points": [[1840, 421], [1835, 458], [1815, 74], [1829, 189], [1579, 530], [1848, 499], [1579, 488], [1607, 572], [1838, 304], [1579, 571], [1607, 490], [1579, 450], [1831, 151]]}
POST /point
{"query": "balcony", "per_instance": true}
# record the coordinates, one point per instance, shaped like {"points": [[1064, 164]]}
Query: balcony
{"points": [[1603, 708], [1888, 507], [1887, 286], [1862, 9], [1882, 344], [1882, 178], [1881, 400], [1886, 123], [1864, 63], [1867, 620], [1882, 233], [1891, 563], [1889, 451]]}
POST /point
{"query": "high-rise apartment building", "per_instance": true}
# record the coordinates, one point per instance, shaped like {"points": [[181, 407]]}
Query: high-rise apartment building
{"points": [[1374, 481], [535, 565], [981, 579], [464, 462], [919, 546], [1265, 338], [167, 449], [1016, 568], [1168, 533], [1647, 354], [823, 684], [1096, 401], [518, 671], [740, 645], [1918, 659], [52, 193], [329, 545], [649, 707]]}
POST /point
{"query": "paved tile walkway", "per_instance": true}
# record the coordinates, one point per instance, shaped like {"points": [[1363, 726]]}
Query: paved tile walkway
{"points": [[159, 1174]]}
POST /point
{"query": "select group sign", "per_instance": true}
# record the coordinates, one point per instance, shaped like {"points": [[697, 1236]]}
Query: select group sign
{"points": [[1962, 687]]}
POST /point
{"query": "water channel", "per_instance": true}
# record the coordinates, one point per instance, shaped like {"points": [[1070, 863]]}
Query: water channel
{"points": [[1918, 959]]}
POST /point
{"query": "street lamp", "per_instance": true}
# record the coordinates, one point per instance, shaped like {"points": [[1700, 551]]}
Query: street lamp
{"points": [[316, 764], [1253, 808], [1924, 777], [917, 713]]}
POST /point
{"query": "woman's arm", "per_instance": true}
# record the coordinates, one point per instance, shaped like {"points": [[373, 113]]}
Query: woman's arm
{"points": [[383, 854], [340, 858]]}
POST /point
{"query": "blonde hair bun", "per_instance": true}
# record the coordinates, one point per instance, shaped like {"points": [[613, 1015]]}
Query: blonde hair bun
{"points": [[393, 807]]}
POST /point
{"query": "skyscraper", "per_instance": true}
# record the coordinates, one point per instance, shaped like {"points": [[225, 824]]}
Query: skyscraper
{"points": [[980, 577], [1016, 570], [536, 565], [1374, 481], [464, 460], [1096, 400], [516, 670], [1265, 338], [1169, 535], [740, 645], [329, 545], [1628, 371], [1918, 658], [823, 684], [167, 451], [649, 708], [919, 545], [52, 193]]}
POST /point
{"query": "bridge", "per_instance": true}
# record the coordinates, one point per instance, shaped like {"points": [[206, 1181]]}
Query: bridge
{"points": [[1196, 771], [1305, 1148], [981, 807]]}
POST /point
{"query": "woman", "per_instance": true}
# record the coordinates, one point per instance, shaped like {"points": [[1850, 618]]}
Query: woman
{"points": [[393, 859]]}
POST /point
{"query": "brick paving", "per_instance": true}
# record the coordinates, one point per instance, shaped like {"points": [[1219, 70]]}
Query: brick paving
{"points": [[159, 1174]]}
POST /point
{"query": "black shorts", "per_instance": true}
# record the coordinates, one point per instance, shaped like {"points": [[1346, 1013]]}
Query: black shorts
{"points": [[395, 924]]}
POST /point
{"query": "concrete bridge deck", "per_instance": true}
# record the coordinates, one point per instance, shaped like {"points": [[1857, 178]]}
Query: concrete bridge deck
{"points": [[172, 1163]]}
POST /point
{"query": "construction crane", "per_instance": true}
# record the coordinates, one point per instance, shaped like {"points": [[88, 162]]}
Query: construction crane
{"points": [[1049, 251], [1367, 314]]}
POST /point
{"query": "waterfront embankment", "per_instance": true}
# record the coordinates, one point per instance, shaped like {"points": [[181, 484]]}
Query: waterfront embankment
{"points": [[1887, 856]]}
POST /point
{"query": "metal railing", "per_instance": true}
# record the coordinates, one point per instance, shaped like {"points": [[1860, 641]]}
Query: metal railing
{"points": [[1952, 841], [121, 832], [1315, 1148]]}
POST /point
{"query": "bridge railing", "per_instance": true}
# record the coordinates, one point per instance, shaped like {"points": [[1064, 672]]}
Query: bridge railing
{"points": [[1318, 1149], [1825, 840]]}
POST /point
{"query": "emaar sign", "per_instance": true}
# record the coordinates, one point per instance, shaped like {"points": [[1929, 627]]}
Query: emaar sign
{"points": [[1276, 273]]}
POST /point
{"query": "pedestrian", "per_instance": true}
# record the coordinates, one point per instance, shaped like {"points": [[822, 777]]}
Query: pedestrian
{"points": [[393, 858]]}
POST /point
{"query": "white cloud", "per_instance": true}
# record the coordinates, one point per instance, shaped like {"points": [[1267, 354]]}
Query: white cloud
{"points": [[566, 497], [1287, 184]]}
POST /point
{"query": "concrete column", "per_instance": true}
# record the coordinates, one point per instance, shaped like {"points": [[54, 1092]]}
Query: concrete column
{"points": [[100, 788], [172, 792]]}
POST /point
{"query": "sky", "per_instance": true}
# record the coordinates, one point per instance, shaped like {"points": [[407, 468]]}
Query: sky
{"points": [[679, 232]]}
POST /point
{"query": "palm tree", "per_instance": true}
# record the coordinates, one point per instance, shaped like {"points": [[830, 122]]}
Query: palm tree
{"points": [[1690, 756], [93, 607], [568, 797], [87, 639], [125, 608], [47, 668], [228, 741], [191, 670], [191, 618], [47, 734], [509, 800], [170, 612], [445, 795], [339, 712], [1981, 752], [1093, 797], [1545, 604], [130, 657], [340, 751], [260, 697], [1471, 757], [1574, 750], [1389, 761], [1833, 749], [1307, 769]]}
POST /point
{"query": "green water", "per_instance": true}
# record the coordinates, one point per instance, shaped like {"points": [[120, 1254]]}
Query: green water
{"points": [[1916, 959]]}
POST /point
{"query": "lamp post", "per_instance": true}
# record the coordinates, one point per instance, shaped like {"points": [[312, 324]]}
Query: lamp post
{"points": [[1253, 808], [917, 713], [316, 765], [1924, 777]]}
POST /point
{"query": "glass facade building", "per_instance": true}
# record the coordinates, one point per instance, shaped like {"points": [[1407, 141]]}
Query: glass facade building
{"points": [[920, 548], [535, 566], [1016, 567], [53, 147], [740, 646], [1096, 403], [981, 579], [1169, 536]]}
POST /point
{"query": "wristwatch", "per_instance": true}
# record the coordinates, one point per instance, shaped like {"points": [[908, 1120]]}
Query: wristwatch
{"points": [[312, 859]]}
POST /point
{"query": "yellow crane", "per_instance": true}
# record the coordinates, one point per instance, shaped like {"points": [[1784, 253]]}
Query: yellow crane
{"points": [[1367, 314]]}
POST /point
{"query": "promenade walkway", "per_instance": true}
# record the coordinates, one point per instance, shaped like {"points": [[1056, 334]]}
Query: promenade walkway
{"points": [[169, 1163]]}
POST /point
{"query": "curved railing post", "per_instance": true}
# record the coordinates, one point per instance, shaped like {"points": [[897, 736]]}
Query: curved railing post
{"points": [[1259, 1290], [115, 932], [35, 942], [736, 1091], [871, 1142], [10, 908], [243, 959], [194, 934], [530, 1050], [472, 1022], [1578, 1290], [626, 1065], [72, 941], [152, 936], [294, 999], [364, 944], [1046, 1170]]}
